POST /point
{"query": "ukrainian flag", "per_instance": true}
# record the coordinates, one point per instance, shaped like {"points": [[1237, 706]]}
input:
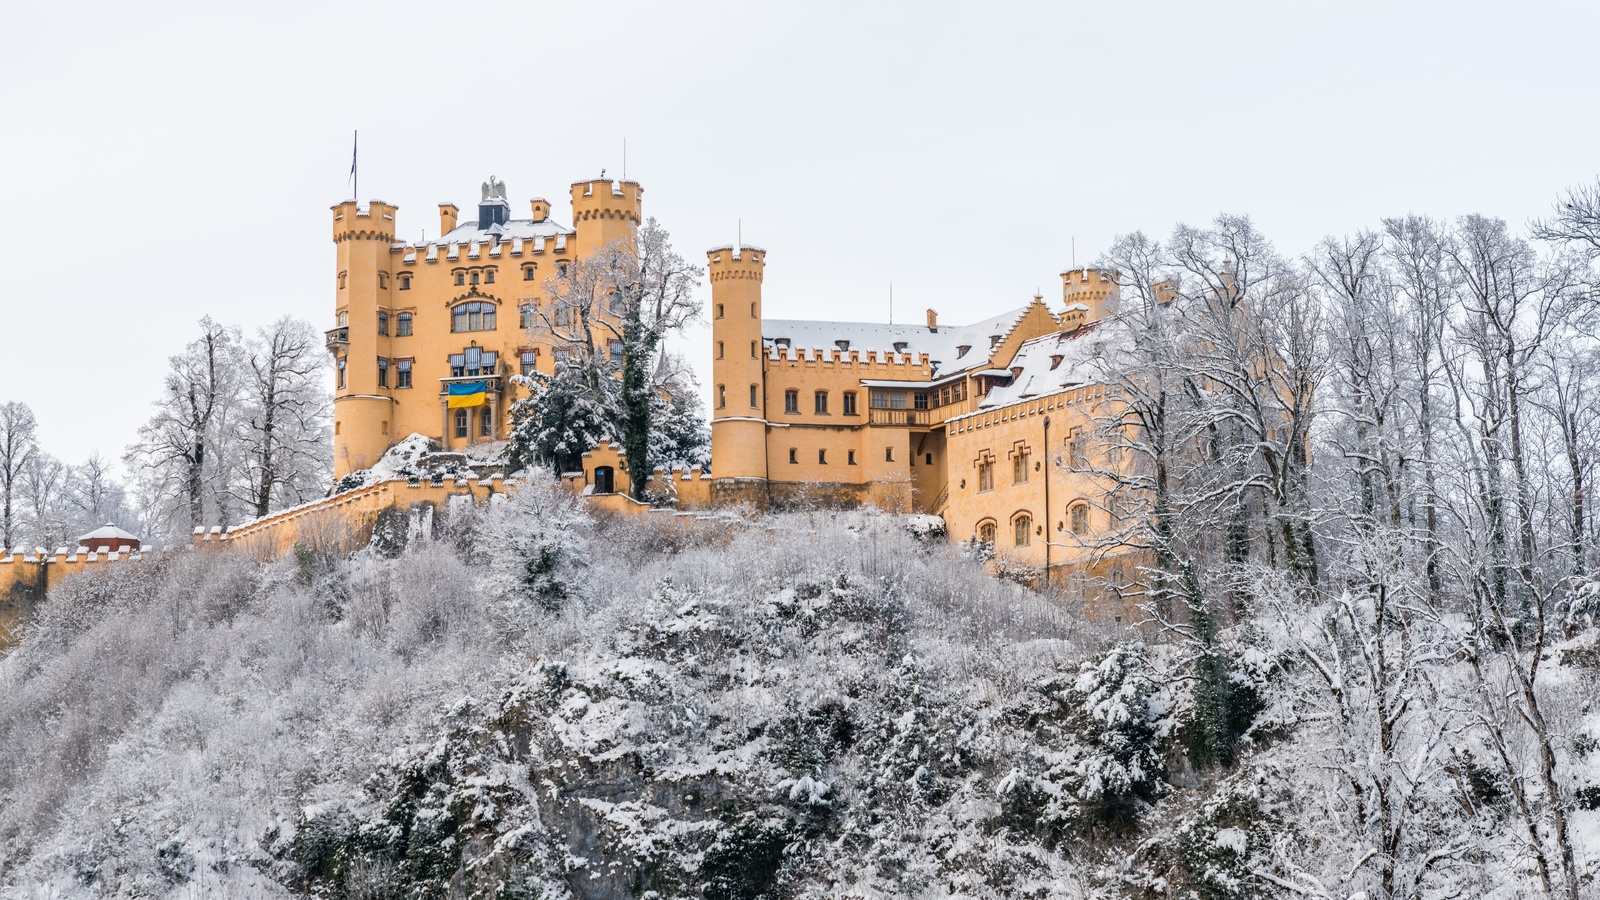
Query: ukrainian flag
{"points": [[467, 393]]}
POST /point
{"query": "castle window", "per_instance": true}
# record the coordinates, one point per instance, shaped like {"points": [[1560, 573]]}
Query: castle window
{"points": [[473, 316], [719, 310], [1077, 456], [753, 311], [529, 361], [985, 475], [929, 458], [900, 346], [820, 402], [563, 314], [402, 325], [1019, 467], [344, 278], [919, 400], [849, 457], [485, 423], [461, 278], [849, 403], [888, 454], [337, 425], [383, 281], [488, 277], [383, 324], [1023, 526], [402, 373], [962, 350], [791, 402], [527, 273], [722, 396], [344, 318], [1078, 516], [527, 315], [340, 367], [987, 532], [473, 362], [844, 346], [794, 456], [383, 372], [753, 403], [615, 348], [719, 349], [405, 282], [561, 268], [822, 457], [752, 349], [384, 428], [614, 303], [461, 423]]}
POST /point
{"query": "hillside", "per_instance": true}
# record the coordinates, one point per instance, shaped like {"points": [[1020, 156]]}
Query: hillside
{"points": [[533, 703]]}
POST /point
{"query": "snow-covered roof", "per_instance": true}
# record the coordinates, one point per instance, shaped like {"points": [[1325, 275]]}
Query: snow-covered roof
{"points": [[468, 231], [1041, 373], [107, 532], [942, 344]]}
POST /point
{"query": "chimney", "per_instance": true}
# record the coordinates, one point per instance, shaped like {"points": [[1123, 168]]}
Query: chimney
{"points": [[541, 209], [933, 320], [447, 218]]}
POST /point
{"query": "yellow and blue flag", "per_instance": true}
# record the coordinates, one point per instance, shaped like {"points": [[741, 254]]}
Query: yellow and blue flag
{"points": [[467, 393]]}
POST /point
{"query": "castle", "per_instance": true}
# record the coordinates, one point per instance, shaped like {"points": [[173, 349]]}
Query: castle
{"points": [[968, 422], [428, 333]]}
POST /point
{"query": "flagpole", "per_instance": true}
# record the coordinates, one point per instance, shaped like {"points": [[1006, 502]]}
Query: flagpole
{"points": [[355, 173]]}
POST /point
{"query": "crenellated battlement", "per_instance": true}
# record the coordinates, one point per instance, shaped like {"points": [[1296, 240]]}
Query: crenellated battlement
{"points": [[907, 365], [602, 198], [373, 222]]}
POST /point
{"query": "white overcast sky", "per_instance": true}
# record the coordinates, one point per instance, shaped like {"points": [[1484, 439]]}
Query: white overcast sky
{"points": [[163, 161]]}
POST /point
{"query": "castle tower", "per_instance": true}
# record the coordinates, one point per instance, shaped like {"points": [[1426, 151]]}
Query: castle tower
{"points": [[605, 212], [362, 411], [738, 398], [1094, 288]]}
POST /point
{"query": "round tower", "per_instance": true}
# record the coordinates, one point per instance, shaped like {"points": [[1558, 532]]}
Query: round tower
{"points": [[362, 411], [738, 393], [605, 212], [1095, 289]]}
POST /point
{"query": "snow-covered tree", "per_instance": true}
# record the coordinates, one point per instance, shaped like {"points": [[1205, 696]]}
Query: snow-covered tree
{"points": [[18, 443]]}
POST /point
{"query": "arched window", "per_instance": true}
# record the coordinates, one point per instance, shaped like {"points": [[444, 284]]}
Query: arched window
{"points": [[402, 325], [486, 423], [1023, 526], [1078, 518], [563, 314], [527, 272], [344, 278], [850, 403], [987, 531], [820, 401], [791, 401], [986, 474], [461, 423], [341, 373], [383, 324], [474, 316], [1019, 466]]}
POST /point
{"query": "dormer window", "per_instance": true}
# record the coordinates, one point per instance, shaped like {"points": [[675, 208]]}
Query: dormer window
{"points": [[900, 346], [962, 350], [844, 346], [994, 339], [1055, 361], [781, 343]]}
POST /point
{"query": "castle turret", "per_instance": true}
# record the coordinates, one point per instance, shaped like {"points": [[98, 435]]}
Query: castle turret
{"points": [[362, 410], [739, 415], [1094, 289], [605, 212]]}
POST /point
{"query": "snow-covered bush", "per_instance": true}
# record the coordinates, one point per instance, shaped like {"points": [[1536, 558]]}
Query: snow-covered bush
{"points": [[534, 545]]}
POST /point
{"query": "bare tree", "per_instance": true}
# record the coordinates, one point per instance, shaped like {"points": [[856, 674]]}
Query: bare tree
{"points": [[175, 448], [44, 483], [18, 443], [608, 314], [283, 421]]}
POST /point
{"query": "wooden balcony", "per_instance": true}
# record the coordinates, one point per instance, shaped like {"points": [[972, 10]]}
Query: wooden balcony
{"points": [[913, 417]]}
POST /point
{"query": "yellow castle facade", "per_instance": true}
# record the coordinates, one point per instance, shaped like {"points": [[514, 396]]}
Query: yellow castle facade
{"points": [[989, 425], [419, 322]]}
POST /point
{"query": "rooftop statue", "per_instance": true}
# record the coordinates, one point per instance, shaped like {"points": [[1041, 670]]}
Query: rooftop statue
{"points": [[494, 189]]}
